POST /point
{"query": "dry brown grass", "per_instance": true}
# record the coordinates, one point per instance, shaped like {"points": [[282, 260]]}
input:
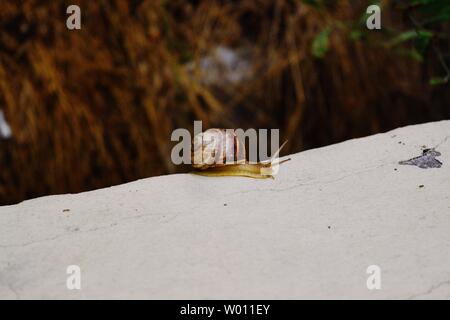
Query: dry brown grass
{"points": [[96, 107]]}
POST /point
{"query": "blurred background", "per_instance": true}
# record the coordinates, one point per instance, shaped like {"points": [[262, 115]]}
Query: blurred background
{"points": [[95, 107]]}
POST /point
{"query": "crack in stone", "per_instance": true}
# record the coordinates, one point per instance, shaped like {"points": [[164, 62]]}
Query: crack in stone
{"points": [[430, 290], [68, 234], [311, 183], [10, 287]]}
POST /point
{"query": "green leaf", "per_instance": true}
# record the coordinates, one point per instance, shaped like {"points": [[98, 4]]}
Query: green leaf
{"points": [[422, 41], [402, 37], [320, 43], [355, 35], [313, 3], [318, 3], [413, 54], [438, 81]]}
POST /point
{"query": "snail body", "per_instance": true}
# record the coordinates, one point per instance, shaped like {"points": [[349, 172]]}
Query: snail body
{"points": [[219, 152]]}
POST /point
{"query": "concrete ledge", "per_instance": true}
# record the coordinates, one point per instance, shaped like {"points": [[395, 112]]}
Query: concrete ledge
{"points": [[310, 233]]}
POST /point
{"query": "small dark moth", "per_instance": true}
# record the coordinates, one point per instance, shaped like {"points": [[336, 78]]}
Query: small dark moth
{"points": [[426, 160]]}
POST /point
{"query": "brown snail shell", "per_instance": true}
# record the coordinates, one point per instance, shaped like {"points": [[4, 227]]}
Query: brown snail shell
{"points": [[217, 147]]}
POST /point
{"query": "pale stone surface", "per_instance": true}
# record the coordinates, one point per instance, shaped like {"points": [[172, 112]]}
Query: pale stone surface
{"points": [[310, 233]]}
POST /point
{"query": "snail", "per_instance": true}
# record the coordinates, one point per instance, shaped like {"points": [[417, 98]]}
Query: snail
{"points": [[220, 152]]}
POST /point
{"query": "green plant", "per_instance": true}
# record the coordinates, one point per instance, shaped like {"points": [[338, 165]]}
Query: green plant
{"points": [[429, 31]]}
